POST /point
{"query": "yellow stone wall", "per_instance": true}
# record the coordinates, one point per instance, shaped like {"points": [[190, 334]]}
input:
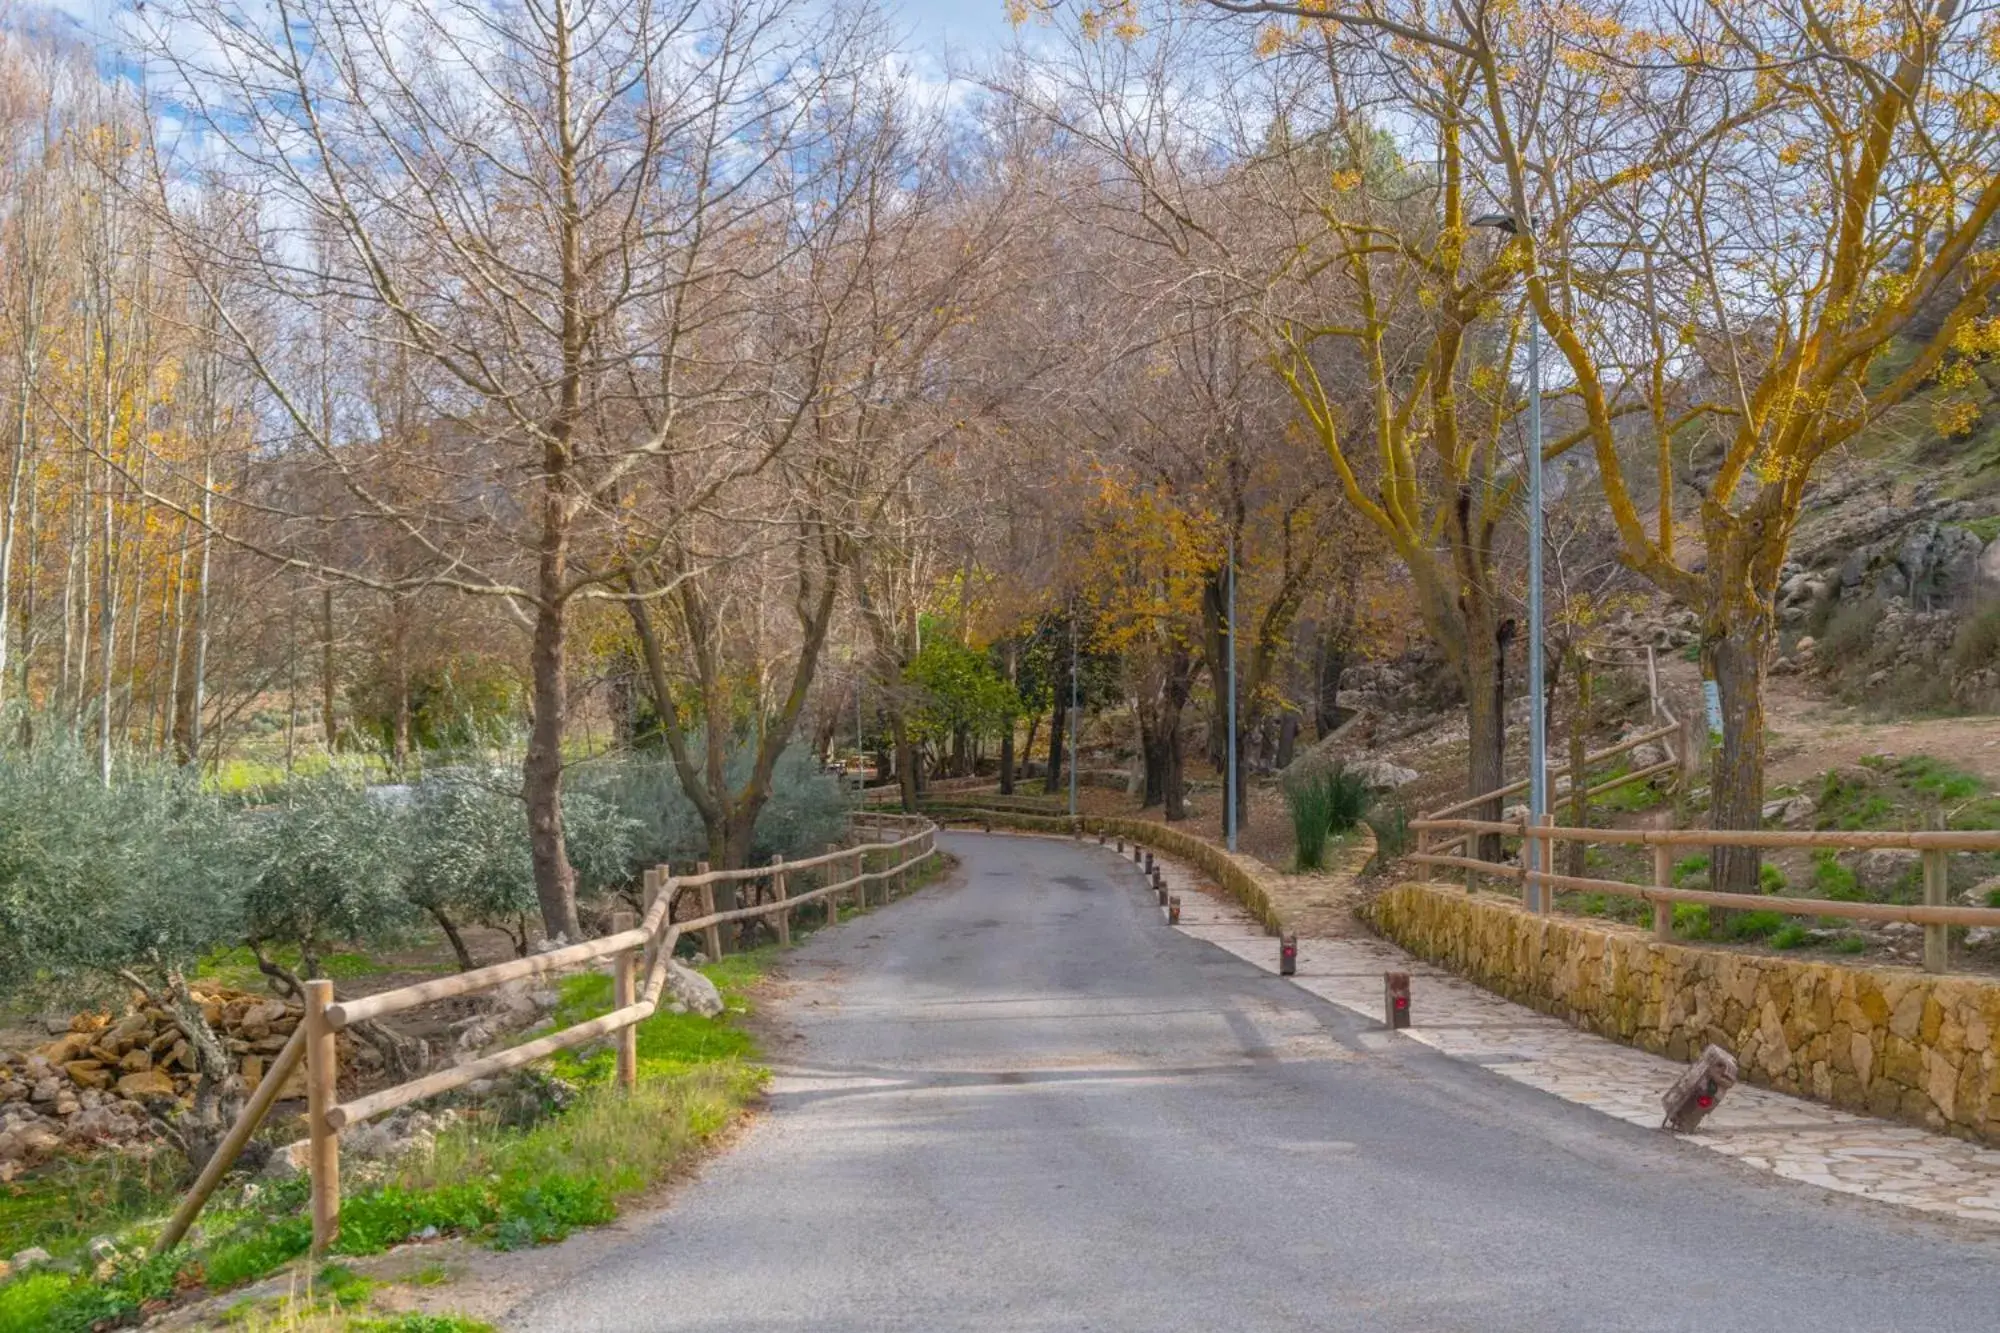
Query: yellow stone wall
{"points": [[1885, 1042]]}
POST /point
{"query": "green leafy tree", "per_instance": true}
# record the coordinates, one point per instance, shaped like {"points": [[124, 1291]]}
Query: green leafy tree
{"points": [[325, 865], [128, 883], [962, 698]]}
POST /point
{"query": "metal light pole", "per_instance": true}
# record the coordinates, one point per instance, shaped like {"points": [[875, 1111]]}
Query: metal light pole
{"points": [[1229, 781], [1538, 740], [1075, 715]]}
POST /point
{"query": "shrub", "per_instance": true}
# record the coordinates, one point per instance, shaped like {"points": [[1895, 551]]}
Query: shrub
{"points": [[1790, 936], [1770, 879], [1688, 868], [1977, 643], [1391, 826], [136, 875], [1691, 921], [1834, 881], [806, 809], [326, 864], [1323, 802], [1850, 944], [1753, 925]]}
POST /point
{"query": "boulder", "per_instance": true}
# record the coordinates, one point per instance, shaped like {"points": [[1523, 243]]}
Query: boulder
{"points": [[1381, 774], [294, 1159], [148, 1086], [1790, 811], [88, 1073], [1883, 868], [692, 989], [32, 1257]]}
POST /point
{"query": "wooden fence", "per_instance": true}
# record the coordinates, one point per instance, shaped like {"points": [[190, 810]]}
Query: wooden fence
{"points": [[636, 950], [1936, 914]]}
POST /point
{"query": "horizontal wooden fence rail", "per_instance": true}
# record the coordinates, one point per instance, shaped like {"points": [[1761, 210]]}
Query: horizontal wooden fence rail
{"points": [[1937, 914], [647, 947], [1556, 771]]}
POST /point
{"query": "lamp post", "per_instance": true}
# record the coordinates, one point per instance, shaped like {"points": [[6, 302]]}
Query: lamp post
{"points": [[1229, 780], [1075, 718], [1538, 740]]}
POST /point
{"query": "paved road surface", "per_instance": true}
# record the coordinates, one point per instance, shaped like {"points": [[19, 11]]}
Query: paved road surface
{"points": [[1023, 1103]]}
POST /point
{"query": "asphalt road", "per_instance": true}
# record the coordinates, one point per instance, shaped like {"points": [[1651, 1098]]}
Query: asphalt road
{"points": [[1018, 1101]]}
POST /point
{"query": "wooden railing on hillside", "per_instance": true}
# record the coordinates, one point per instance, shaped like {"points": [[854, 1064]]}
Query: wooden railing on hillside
{"points": [[644, 948], [1557, 771], [1936, 914]]}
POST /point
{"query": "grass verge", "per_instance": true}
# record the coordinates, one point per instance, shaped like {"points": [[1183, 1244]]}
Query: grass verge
{"points": [[505, 1184]]}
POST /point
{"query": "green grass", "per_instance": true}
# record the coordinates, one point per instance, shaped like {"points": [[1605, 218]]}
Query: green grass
{"points": [[1756, 925], [237, 968], [1791, 935], [1770, 878], [1850, 944], [1939, 780], [1986, 529], [1834, 881], [507, 1187], [1691, 921], [63, 1204], [1688, 868]]}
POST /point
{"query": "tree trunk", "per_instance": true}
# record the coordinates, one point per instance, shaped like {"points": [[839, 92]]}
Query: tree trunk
{"points": [[1007, 735], [1486, 719], [906, 760], [1326, 680], [1288, 738], [1573, 853], [1736, 652], [399, 681], [329, 723], [1028, 745], [458, 949], [1052, 782], [1173, 786], [555, 882], [1153, 754]]}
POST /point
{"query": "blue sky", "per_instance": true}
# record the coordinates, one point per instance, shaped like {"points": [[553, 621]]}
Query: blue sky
{"points": [[966, 27]]}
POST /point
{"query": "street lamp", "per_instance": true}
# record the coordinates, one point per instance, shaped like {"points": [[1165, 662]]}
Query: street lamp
{"points": [[1229, 781], [1538, 741]]}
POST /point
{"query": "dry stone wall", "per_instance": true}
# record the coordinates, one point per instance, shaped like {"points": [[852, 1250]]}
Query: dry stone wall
{"points": [[1881, 1041]]}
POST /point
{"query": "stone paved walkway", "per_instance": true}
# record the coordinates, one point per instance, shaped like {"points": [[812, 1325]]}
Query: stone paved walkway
{"points": [[1788, 1136]]}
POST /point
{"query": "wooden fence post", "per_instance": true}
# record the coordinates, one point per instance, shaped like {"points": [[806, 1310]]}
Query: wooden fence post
{"points": [[625, 992], [1937, 893], [833, 872], [652, 885], [783, 896], [711, 936], [1663, 878], [1545, 855], [322, 1081]]}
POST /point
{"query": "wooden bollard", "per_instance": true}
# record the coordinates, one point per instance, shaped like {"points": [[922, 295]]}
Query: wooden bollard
{"points": [[322, 1080], [1149, 862], [1288, 955], [1174, 910], [624, 992], [783, 895], [1396, 999]]}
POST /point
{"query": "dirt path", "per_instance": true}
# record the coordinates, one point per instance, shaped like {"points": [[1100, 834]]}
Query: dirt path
{"points": [[1810, 734]]}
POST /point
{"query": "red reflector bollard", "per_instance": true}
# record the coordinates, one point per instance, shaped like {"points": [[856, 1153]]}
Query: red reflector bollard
{"points": [[1149, 862], [1396, 999], [1700, 1090], [1174, 910], [1288, 955]]}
